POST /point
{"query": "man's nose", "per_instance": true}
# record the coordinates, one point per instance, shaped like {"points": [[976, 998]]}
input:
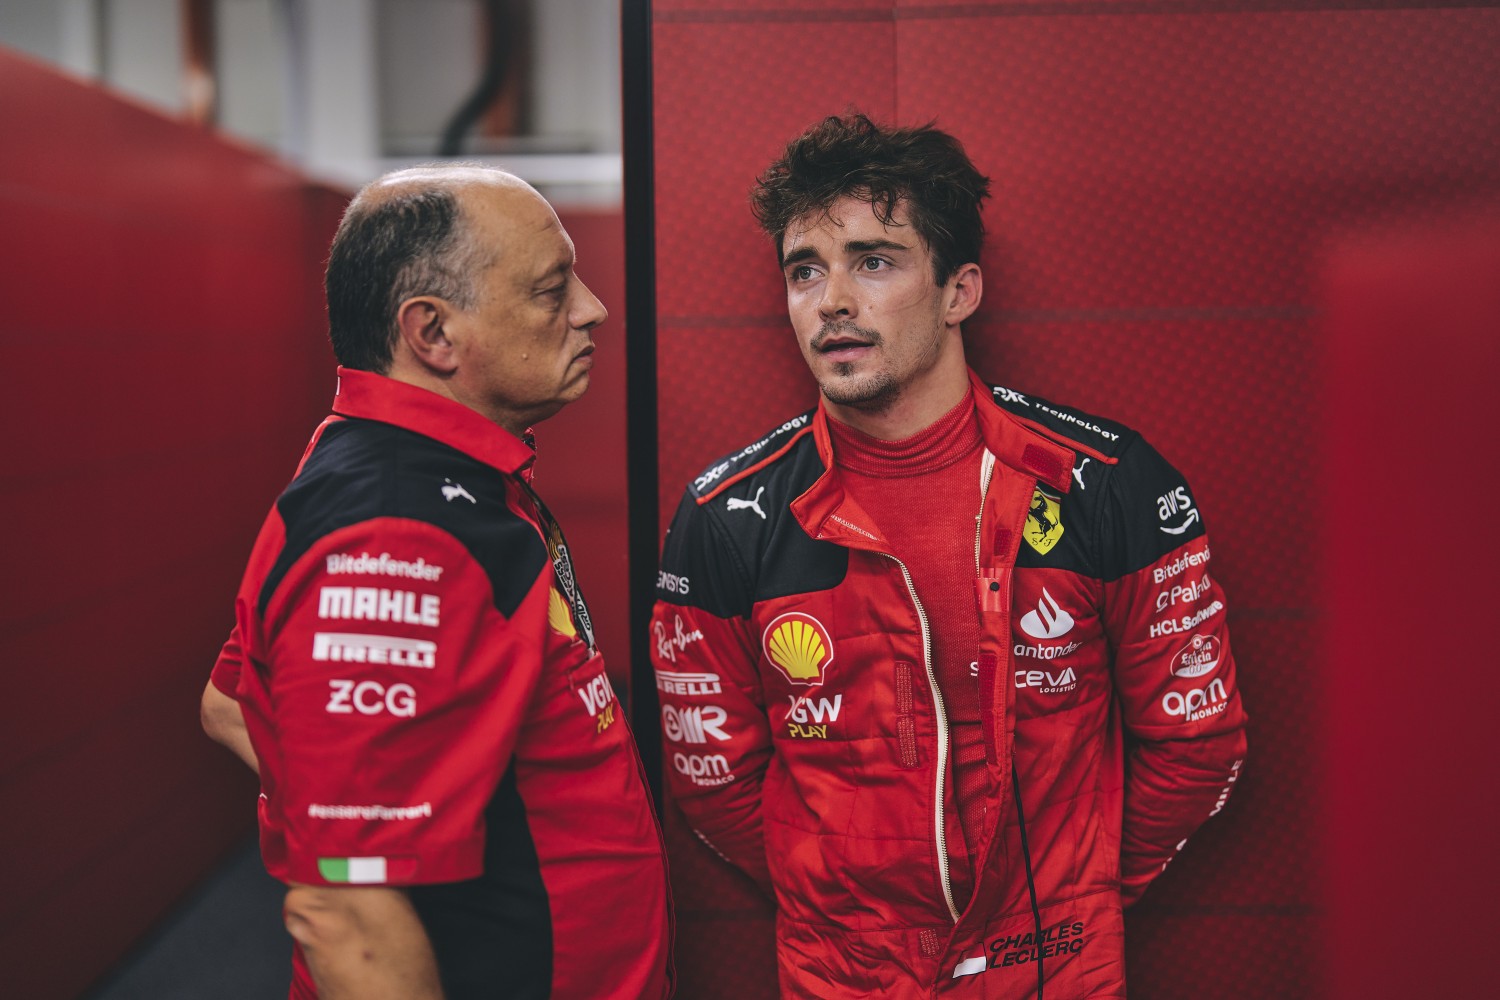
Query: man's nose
{"points": [[838, 296], [587, 312]]}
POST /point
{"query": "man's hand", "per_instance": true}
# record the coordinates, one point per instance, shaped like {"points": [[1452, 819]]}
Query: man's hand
{"points": [[362, 943], [225, 723]]}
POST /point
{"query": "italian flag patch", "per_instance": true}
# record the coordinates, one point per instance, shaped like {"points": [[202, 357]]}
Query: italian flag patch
{"points": [[355, 871]]}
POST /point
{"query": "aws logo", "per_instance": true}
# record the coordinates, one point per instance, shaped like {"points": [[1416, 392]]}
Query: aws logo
{"points": [[1043, 522], [799, 646]]}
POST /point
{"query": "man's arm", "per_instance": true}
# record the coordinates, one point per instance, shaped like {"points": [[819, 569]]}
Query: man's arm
{"points": [[362, 943], [717, 738], [390, 738], [225, 724], [1174, 671], [219, 712]]}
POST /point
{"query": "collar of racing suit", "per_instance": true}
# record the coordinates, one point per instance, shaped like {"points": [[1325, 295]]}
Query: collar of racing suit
{"points": [[375, 397], [826, 512]]}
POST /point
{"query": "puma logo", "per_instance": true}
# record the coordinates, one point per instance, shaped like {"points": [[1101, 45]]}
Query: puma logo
{"points": [[734, 504], [453, 491]]}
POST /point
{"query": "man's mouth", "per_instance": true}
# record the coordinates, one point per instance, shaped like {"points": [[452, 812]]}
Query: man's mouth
{"points": [[841, 345]]}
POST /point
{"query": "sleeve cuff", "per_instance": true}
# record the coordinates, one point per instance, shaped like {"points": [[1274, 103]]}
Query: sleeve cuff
{"points": [[344, 866]]}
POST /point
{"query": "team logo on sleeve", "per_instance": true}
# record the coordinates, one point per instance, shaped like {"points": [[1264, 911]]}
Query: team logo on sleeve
{"points": [[1048, 620], [1197, 658], [799, 646], [1043, 522], [1169, 505], [598, 698]]}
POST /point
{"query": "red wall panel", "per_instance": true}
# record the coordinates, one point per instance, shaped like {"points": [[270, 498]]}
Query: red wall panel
{"points": [[1166, 175], [163, 364], [1412, 352]]}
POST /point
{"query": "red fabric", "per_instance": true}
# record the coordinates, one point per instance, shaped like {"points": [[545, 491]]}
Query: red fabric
{"points": [[780, 588], [916, 490], [394, 666]]}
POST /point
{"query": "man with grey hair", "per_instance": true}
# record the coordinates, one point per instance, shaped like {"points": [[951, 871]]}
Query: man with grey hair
{"points": [[450, 789]]}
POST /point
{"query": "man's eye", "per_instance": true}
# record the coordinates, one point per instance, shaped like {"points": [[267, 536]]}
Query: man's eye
{"points": [[873, 263], [801, 273]]}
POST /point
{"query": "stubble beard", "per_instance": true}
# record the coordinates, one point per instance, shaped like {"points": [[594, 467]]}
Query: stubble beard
{"points": [[872, 392]]}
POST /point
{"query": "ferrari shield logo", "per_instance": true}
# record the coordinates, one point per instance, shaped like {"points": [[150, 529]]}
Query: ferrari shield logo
{"points": [[1043, 522]]}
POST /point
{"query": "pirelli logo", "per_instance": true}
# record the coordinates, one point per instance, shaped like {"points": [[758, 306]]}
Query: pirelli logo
{"points": [[356, 647]]}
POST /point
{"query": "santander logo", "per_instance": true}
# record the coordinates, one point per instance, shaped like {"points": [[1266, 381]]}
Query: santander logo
{"points": [[1048, 621]]}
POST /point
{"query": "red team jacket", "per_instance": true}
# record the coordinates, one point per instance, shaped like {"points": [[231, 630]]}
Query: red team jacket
{"points": [[418, 674], [806, 739]]}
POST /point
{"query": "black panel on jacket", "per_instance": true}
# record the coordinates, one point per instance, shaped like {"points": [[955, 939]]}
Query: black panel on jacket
{"points": [[492, 935], [1132, 501], [364, 469], [1150, 512], [747, 557]]}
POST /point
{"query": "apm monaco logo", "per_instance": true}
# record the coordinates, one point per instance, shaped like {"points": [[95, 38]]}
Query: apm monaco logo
{"points": [[1048, 621], [1043, 522], [706, 770], [1198, 657], [799, 646]]}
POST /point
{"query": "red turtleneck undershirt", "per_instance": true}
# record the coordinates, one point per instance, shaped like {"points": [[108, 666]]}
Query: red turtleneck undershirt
{"points": [[923, 493]]}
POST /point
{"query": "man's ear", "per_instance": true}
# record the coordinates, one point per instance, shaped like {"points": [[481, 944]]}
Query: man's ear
{"points": [[965, 289], [420, 331]]}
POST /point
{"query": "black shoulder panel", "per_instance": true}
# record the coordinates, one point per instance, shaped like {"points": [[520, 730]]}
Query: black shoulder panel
{"points": [[741, 545], [1148, 512], [363, 469], [729, 466], [1071, 525], [1075, 426]]}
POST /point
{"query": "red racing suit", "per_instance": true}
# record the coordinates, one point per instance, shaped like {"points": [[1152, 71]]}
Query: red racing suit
{"points": [[805, 733], [418, 674]]}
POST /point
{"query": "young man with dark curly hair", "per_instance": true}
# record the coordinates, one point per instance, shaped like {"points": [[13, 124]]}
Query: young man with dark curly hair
{"points": [[944, 667]]}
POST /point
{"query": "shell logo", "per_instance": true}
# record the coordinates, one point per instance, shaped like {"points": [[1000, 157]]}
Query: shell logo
{"points": [[799, 646], [558, 616]]}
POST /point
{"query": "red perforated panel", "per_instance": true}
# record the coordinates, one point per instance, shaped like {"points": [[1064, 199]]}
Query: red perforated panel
{"points": [[1166, 175], [1412, 316]]}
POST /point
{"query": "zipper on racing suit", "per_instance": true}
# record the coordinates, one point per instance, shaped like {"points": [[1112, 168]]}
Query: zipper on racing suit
{"points": [[944, 875], [939, 812]]}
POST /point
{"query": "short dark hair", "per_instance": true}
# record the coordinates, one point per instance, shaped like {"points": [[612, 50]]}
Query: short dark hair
{"points": [[386, 250], [922, 167]]}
